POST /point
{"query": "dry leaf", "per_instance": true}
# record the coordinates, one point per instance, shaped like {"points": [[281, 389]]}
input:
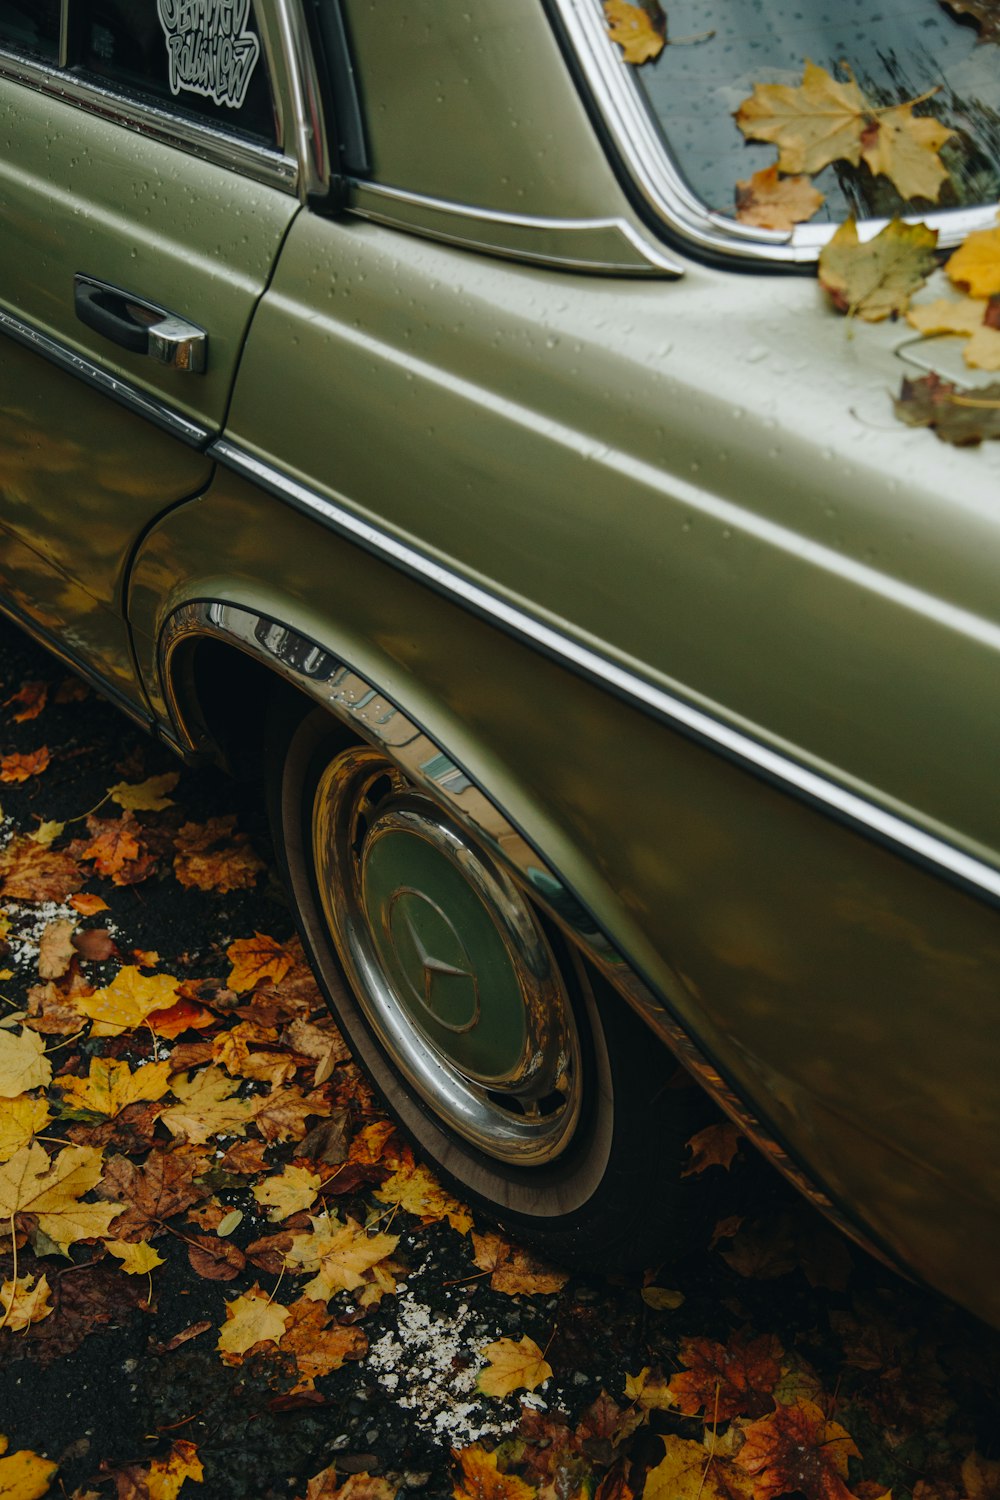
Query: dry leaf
{"points": [[215, 1259], [32, 696], [254, 959], [31, 872], [513, 1366], [640, 31], [281, 1115], [145, 796], [513, 1270], [795, 1448], [51, 1191], [723, 1381], [250, 1319], [772, 202], [88, 905], [162, 1478], [207, 1107], [20, 1119], [329, 1485], [480, 1478], [46, 833], [23, 1302], [413, 1188], [985, 13], [162, 1186], [715, 1146], [288, 1192], [23, 1064], [127, 1000], [55, 949], [904, 147], [137, 1259], [875, 279], [110, 1085], [23, 1475], [957, 415], [818, 122], [16, 768], [649, 1391], [318, 1347], [342, 1256], [975, 265], [683, 1473]]}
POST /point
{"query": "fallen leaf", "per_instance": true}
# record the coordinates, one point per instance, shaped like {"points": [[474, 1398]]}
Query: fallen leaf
{"points": [[215, 857], [904, 147], [812, 124], [948, 315], [975, 265], [193, 1331], [207, 1107], [247, 1157], [683, 1473], [330, 1485], [957, 415], [981, 1477], [23, 1064], [52, 1011], [16, 768], [317, 1347], [21, 1118], [481, 1479], [727, 1380], [323, 1043], [254, 959], [55, 949], [163, 1185], [649, 1391], [145, 796], [513, 1365], [640, 31], [113, 846], [288, 1192], [23, 1302], [341, 1255], [111, 1085], [137, 1259], [183, 1015], [514, 1271], [773, 202], [46, 833], [215, 1259], [30, 872], [795, 1449], [88, 905], [23, 1475], [250, 1319], [51, 1191], [161, 1478], [32, 696], [715, 1146], [874, 279], [662, 1298], [127, 1000], [95, 944], [281, 1115], [415, 1189]]}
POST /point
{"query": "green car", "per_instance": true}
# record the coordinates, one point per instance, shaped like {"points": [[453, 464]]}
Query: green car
{"points": [[427, 406]]}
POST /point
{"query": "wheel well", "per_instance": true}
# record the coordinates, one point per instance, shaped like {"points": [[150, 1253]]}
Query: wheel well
{"points": [[226, 696]]}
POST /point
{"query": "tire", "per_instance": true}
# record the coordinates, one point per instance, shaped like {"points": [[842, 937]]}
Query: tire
{"points": [[519, 1075]]}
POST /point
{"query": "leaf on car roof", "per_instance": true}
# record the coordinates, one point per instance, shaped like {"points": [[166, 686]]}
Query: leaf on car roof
{"points": [[958, 415], [874, 279], [769, 201], [640, 30]]}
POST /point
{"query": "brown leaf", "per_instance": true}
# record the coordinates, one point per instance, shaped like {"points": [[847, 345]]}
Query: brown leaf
{"points": [[192, 1331], [281, 1115], [32, 872], [245, 1157], [268, 1253], [875, 278], [327, 1485], [161, 1478], [88, 905], [772, 202], [957, 415], [317, 1347], [480, 1478], [715, 1146], [162, 1186], [213, 856], [116, 849], [795, 1449], [95, 944], [214, 1259], [17, 768], [723, 1381], [51, 1011], [327, 1141], [513, 1270]]}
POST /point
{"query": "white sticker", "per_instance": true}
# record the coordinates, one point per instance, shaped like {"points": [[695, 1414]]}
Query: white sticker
{"points": [[210, 50]]}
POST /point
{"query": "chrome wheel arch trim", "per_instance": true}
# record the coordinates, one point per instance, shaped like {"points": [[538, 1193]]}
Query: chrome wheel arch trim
{"points": [[376, 718], [664, 191], [833, 798]]}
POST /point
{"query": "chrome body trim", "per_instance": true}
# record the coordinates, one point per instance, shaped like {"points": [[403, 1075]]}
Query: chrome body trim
{"points": [[308, 124], [264, 165], [122, 391], [794, 777], [598, 245], [375, 718], [662, 186]]}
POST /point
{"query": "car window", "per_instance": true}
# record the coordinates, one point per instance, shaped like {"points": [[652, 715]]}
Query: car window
{"points": [[197, 57], [899, 51], [30, 26]]}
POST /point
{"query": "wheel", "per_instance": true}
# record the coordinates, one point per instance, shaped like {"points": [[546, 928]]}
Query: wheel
{"points": [[515, 1070]]}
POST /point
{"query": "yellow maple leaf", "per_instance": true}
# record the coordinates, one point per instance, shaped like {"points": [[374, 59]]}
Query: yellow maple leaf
{"points": [[288, 1192], [281, 1115], [413, 1188], [975, 265], [874, 279], [329, 1484], [648, 1391], [639, 31], [250, 1319], [20, 1119], [51, 1190], [127, 1000], [23, 1064], [23, 1302], [514, 1365], [137, 1259], [513, 1270], [773, 202], [23, 1475], [904, 147], [683, 1473], [47, 833], [162, 1478], [145, 796], [342, 1255], [254, 959], [206, 1107], [480, 1478], [111, 1085], [818, 122]]}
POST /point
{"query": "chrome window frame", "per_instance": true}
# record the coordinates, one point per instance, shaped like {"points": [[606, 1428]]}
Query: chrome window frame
{"points": [[661, 187], [272, 166]]}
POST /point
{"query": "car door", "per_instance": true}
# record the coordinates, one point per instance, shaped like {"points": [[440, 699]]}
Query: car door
{"points": [[144, 194]]}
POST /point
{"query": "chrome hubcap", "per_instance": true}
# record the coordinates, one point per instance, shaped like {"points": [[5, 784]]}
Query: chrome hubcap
{"points": [[448, 962]]}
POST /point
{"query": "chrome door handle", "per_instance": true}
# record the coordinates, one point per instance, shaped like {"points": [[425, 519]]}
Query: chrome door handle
{"points": [[140, 326]]}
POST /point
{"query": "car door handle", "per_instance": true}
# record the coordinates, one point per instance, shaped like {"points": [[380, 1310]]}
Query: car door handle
{"points": [[140, 326]]}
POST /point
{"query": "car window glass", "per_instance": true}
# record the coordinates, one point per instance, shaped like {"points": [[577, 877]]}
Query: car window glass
{"points": [[30, 26], [199, 57]]}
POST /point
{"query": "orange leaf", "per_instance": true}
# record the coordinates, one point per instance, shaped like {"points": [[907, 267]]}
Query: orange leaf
{"points": [[31, 872], [20, 767], [113, 846], [254, 959], [480, 1478], [213, 856], [32, 696], [88, 905], [179, 1017], [725, 1381], [796, 1450]]}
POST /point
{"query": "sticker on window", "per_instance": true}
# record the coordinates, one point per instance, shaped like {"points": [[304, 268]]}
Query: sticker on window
{"points": [[210, 50]]}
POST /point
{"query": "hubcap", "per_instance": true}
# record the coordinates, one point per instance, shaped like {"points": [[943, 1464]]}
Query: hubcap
{"points": [[448, 962]]}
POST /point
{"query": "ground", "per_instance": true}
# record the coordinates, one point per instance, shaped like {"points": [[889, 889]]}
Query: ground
{"points": [[171, 1086]]}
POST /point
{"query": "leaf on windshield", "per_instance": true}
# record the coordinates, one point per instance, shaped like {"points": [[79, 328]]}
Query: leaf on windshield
{"points": [[874, 279], [772, 202], [985, 13], [640, 30], [823, 121]]}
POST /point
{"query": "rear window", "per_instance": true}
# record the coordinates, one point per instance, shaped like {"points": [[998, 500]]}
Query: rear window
{"points": [[896, 52]]}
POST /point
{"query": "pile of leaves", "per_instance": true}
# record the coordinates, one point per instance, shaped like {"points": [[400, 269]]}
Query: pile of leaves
{"points": [[827, 120], [224, 1268]]}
